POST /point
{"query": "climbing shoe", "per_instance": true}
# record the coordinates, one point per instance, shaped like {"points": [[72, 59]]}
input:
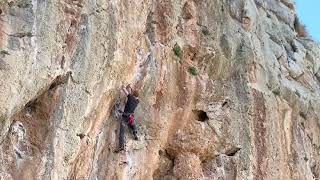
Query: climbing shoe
{"points": [[119, 149]]}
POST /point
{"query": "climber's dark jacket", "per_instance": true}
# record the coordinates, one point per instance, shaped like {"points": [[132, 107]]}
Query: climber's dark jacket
{"points": [[131, 104]]}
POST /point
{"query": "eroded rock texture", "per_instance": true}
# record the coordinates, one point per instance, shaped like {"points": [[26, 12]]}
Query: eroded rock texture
{"points": [[228, 90]]}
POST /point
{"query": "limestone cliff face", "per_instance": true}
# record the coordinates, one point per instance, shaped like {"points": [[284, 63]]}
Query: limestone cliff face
{"points": [[228, 90]]}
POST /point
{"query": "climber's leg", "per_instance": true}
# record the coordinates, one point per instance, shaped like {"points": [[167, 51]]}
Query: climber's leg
{"points": [[121, 136], [133, 127]]}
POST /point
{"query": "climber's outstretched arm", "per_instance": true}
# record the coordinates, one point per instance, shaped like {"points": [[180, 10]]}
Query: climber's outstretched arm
{"points": [[126, 90]]}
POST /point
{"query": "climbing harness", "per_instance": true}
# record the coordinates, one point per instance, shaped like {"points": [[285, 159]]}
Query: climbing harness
{"points": [[131, 119]]}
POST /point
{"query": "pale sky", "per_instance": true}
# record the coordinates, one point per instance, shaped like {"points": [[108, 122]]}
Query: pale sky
{"points": [[309, 15]]}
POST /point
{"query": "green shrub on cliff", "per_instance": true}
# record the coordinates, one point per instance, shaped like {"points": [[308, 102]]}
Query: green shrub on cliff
{"points": [[193, 71], [205, 32], [177, 51]]}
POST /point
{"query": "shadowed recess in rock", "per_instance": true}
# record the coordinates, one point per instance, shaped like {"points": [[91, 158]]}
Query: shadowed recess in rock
{"points": [[29, 135], [200, 115]]}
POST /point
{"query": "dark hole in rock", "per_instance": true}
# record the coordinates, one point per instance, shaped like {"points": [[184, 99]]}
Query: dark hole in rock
{"points": [[52, 86], [303, 115], [73, 23], [20, 125], [18, 154], [224, 104], [201, 115], [222, 9], [81, 135], [233, 151], [170, 156], [31, 106], [268, 15], [62, 62], [61, 79]]}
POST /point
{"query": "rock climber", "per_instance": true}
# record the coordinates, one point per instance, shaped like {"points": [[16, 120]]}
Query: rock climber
{"points": [[128, 115]]}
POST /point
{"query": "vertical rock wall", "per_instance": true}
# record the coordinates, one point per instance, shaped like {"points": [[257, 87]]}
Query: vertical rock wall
{"points": [[227, 90]]}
